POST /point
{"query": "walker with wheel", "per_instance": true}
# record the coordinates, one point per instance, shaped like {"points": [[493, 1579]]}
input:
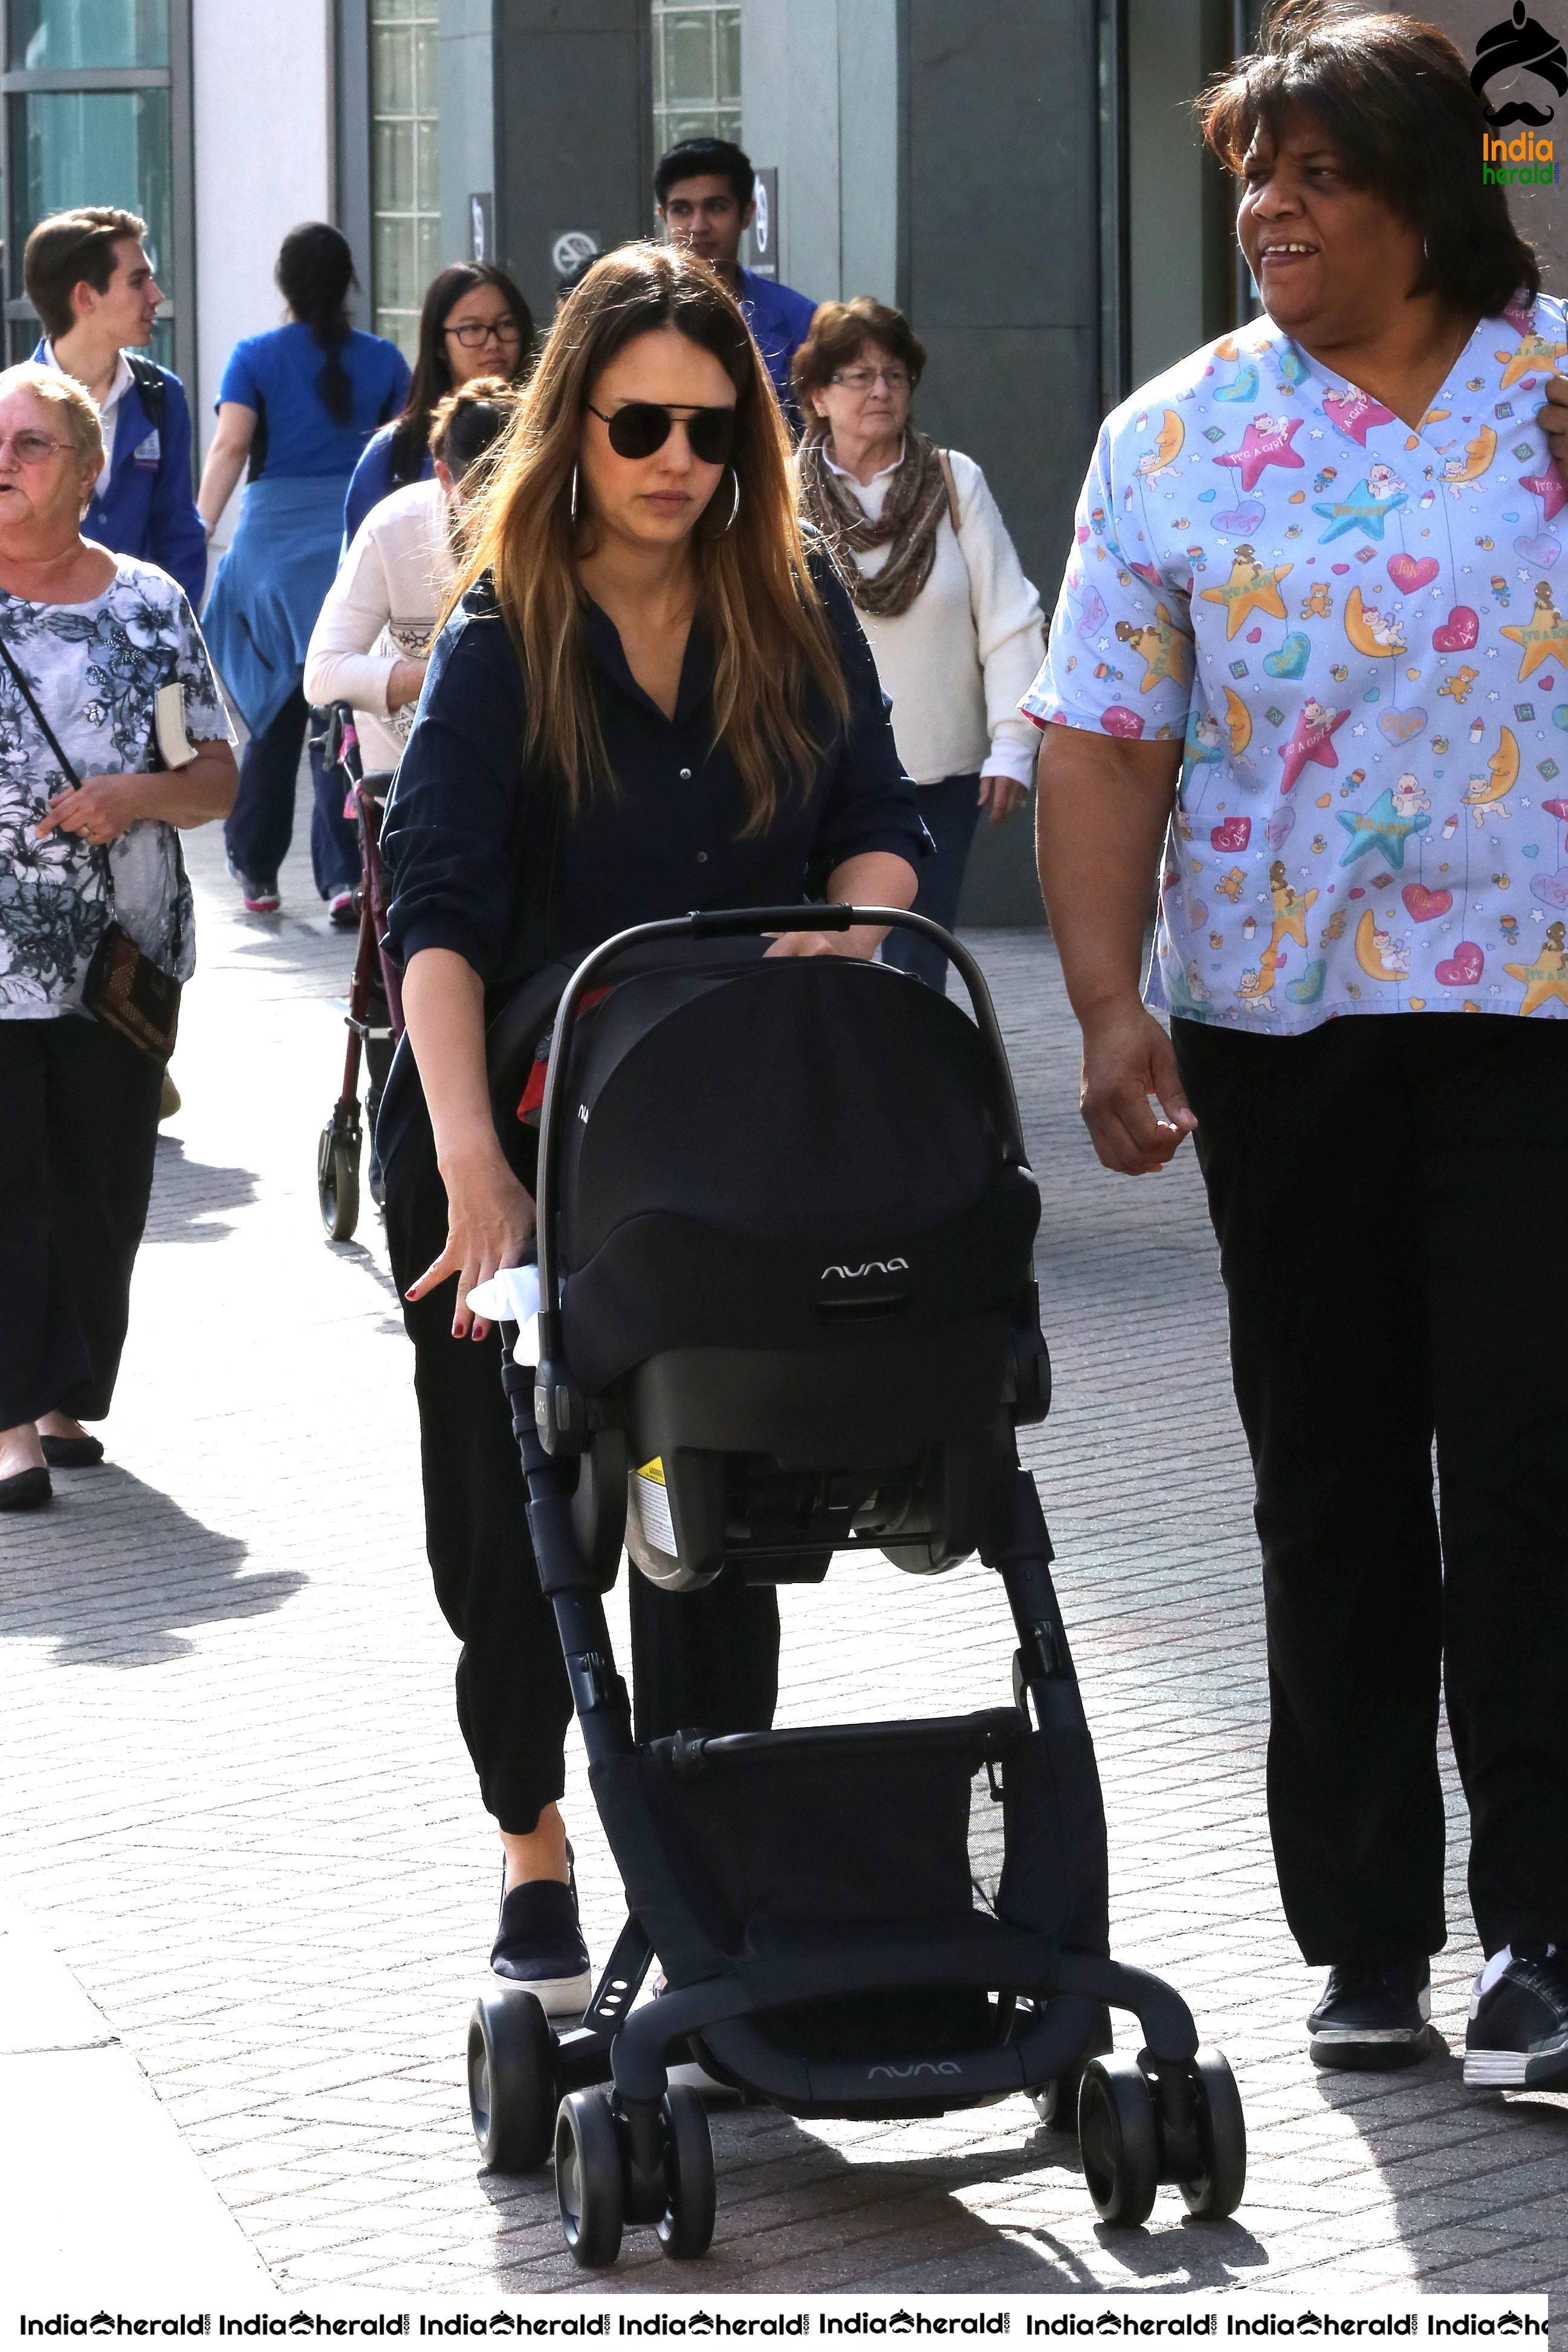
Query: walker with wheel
{"points": [[375, 1017]]}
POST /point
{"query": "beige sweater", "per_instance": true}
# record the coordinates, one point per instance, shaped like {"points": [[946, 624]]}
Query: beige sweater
{"points": [[957, 661], [382, 607]]}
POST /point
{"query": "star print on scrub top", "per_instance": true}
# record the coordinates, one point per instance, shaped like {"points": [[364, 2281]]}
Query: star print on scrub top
{"points": [[1348, 627]]}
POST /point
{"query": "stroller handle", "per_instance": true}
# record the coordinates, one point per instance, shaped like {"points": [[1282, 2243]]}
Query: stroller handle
{"points": [[739, 923]]}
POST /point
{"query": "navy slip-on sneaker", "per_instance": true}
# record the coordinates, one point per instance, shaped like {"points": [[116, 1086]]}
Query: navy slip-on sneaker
{"points": [[539, 1945], [1517, 2038], [1373, 2016]]}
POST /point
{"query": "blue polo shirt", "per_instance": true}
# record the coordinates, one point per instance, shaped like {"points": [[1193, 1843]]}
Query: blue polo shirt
{"points": [[472, 811], [781, 320]]}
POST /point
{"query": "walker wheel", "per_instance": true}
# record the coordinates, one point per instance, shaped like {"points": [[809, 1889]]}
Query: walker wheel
{"points": [[512, 2082], [337, 1182], [1118, 2140], [686, 2228], [1222, 2136], [588, 2182]]}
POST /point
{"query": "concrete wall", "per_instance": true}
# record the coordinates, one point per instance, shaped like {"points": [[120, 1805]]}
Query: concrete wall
{"points": [[574, 127], [819, 95], [262, 92], [468, 118], [1002, 282]]}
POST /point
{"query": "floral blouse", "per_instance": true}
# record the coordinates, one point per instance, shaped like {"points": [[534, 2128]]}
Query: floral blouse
{"points": [[1353, 627], [95, 668]]}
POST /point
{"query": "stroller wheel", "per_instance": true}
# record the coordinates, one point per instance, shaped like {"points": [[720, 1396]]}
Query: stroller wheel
{"points": [[512, 2082], [337, 1182], [686, 2229], [1222, 2136], [588, 2184], [1116, 2135]]}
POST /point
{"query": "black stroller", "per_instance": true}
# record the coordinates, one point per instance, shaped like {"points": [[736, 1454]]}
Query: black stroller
{"points": [[788, 1310], [375, 1017]]}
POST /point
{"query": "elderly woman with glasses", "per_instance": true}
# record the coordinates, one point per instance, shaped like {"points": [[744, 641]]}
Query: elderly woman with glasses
{"points": [[88, 834], [954, 626]]}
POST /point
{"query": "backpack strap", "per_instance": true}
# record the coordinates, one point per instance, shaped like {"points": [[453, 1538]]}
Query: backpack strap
{"points": [[945, 462], [148, 378]]}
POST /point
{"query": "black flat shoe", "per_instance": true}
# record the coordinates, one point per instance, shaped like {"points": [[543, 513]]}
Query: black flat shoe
{"points": [[1373, 2017], [25, 1490], [72, 1453]]}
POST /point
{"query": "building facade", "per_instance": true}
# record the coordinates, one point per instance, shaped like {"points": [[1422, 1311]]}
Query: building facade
{"points": [[1021, 176]]}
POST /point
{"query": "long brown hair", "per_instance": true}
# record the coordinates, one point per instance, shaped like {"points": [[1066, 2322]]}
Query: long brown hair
{"points": [[773, 648]]}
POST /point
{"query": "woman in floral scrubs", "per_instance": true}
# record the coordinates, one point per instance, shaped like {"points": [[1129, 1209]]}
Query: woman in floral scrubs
{"points": [[1312, 637]]}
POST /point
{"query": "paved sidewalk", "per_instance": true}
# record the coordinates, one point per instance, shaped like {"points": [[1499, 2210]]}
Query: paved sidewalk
{"points": [[235, 1802]]}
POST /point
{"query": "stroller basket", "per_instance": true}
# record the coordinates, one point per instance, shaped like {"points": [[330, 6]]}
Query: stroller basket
{"points": [[787, 1311]]}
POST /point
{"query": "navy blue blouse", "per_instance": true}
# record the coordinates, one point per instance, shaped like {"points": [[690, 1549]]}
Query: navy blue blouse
{"points": [[485, 861]]}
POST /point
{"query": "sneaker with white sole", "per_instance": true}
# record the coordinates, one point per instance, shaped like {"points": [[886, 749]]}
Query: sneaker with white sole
{"points": [[1374, 2015], [1517, 2038], [260, 897], [539, 1945]]}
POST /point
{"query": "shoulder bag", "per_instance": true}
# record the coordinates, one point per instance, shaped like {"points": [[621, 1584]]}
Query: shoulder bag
{"points": [[123, 988]]}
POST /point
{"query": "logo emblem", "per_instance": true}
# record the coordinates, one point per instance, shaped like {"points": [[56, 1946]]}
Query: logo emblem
{"points": [[872, 1266], [1524, 44]]}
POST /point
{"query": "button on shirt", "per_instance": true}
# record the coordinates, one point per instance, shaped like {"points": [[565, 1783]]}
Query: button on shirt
{"points": [[480, 847], [1354, 628]]}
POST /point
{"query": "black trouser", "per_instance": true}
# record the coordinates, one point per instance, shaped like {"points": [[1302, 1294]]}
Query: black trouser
{"points": [[79, 1127], [706, 1658], [1388, 1196], [950, 811]]}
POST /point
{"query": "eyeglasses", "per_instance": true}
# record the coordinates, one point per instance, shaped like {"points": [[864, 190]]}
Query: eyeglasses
{"points": [[32, 448], [643, 425], [861, 379], [475, 331]]}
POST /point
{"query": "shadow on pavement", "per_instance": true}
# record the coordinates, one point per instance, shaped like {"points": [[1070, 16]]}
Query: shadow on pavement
{"points": [[796, 2213], [1462, 2167], [188, 1196], [115, 1573]]}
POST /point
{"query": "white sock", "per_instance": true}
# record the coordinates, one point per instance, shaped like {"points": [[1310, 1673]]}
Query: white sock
{"points": [[1496, 1965]]}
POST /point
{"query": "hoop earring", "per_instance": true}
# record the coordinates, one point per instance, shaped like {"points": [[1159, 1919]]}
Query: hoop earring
{"points": [[734, 510], [573, 511]]}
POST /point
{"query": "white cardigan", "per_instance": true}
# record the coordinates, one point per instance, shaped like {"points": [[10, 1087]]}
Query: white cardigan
{"points": [[957, 662], [382, 607]]}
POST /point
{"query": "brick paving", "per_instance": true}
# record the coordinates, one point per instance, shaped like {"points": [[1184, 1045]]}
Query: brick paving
{"points": [[236, 1802]]}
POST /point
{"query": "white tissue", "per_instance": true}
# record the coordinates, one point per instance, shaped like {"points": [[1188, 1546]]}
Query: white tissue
{"points": [[512, 1295]]}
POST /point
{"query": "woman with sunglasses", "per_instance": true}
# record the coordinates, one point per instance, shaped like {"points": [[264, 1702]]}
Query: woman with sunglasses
{"points": [[474, 322], [647, 699]]}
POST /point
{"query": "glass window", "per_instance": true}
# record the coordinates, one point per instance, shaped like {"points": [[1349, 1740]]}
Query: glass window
{"points": [[94, 147], [696, 71], [405, 163], [57, 35]]}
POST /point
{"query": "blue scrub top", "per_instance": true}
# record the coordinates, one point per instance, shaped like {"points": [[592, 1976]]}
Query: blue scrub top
{"points": [[278, 374]]}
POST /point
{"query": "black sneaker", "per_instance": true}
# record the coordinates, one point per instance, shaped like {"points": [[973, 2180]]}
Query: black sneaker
{"points": [[1374, 2015], [539, 1945], [1517, 2038]]}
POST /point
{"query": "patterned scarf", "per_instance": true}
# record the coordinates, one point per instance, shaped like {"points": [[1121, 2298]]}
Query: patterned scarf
{"points": [[916, 502]]}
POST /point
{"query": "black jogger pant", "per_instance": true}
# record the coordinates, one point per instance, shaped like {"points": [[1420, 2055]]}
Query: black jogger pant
{"points": [[706, 1658], [79, 1128], [1388, 1196]]}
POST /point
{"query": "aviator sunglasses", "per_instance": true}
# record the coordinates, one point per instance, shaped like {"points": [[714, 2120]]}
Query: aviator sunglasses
{"points": [[643, 425]]}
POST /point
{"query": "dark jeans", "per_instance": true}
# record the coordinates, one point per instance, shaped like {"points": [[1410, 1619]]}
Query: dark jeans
{"points": [[706, 1658], [260, 825], [79, 1127], [950, 812], [1388, 1194]]}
